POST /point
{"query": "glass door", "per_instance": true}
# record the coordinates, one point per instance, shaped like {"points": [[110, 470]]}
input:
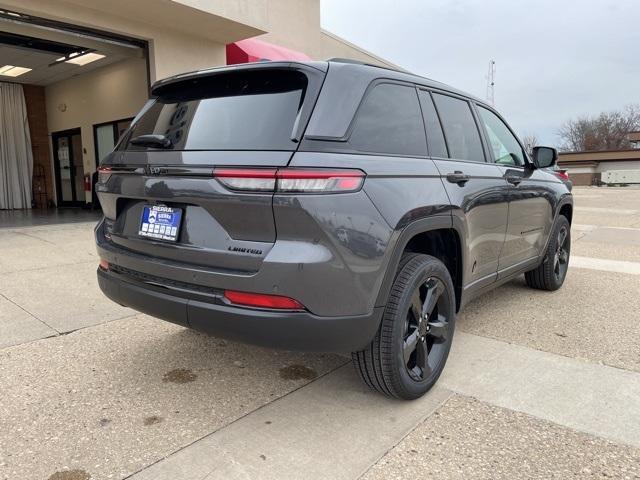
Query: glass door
{"points": [[69, 168]]}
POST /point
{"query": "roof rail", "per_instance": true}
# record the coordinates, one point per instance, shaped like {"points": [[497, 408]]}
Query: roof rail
{"points": [[359, 62], [346, 60]]}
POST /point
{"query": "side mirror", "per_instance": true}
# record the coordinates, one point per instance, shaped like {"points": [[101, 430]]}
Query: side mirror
{"points": [[544, 157]]}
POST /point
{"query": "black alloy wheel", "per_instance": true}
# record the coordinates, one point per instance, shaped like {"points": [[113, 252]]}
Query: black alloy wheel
{"points": [[426, 331], [561, 257]]}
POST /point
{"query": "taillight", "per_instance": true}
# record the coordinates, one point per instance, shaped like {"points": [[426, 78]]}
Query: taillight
{"points": [[562, 174], [104, 265], [252, 179], [290, 180], [260, 300], [104, 173], [293, 180]]}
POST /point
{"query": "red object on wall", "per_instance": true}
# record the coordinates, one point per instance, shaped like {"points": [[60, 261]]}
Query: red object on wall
{"points": [[252, 50]]}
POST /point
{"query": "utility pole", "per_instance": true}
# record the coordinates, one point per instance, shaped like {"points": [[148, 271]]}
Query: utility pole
{"points": [[491, 81]]}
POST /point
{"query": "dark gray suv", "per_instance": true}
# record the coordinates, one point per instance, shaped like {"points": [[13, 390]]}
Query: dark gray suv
{"points": [[326, 206]]}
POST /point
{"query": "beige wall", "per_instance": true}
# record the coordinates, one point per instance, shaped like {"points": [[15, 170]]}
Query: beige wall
{"points": [[174, 53], [109, 93], [296, 24]]}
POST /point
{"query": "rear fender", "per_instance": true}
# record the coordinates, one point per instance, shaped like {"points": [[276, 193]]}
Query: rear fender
{"points": [[436, 222]]}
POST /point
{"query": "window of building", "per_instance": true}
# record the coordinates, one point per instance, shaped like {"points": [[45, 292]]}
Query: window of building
{"points": [[390, 121], [506, 149], [461, 132], [106, 136]]}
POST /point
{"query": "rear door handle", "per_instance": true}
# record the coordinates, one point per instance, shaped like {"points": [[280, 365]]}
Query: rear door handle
{"points": [[458, 177], [513, 179]]}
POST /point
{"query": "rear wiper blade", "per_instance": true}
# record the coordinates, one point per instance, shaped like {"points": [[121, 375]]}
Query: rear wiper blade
{"points": [[158, 141]]}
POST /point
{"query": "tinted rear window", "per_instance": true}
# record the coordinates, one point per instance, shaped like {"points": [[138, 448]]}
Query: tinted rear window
{"points": [[234, 111]]}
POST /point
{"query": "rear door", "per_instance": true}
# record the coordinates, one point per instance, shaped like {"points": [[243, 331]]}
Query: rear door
{"points": [[476, 188], [249, 118], [530, 196]]}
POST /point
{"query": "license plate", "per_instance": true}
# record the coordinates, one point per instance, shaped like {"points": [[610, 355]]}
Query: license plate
{"points": [[160, 222]]}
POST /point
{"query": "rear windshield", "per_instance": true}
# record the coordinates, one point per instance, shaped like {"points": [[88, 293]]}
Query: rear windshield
{"points": [[250, 110]]}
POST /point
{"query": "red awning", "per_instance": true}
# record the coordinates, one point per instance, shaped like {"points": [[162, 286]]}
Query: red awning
{"points": [[252, 50]]}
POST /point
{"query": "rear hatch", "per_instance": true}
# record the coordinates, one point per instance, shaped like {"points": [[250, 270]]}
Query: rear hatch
{"points": [[157, 188]]}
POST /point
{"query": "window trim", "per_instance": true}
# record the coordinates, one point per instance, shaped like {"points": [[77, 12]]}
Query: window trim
{"points": [[470, 104], [527, 160]]}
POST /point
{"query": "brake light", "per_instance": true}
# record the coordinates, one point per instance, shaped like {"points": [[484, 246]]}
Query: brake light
{"points": [[562, 174], [290, 180], [260, 300], [104, 173]]}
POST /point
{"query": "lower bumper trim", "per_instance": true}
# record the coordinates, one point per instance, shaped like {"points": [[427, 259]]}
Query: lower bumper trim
{"points": [[284, 330]]}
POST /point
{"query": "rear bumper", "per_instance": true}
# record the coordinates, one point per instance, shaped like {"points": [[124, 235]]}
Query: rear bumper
{"points": [[285, 330]]}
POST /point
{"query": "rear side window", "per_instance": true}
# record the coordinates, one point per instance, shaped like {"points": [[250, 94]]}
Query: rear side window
{"points": [[435, 137], [251, 110], [389, 121], [460, 129]]}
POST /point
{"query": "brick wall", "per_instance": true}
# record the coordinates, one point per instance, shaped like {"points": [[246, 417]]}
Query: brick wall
{"points": [[37, 115]]}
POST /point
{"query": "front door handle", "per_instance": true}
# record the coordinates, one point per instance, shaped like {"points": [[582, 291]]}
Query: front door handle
{"points": [[458, 177], [513, 179]]}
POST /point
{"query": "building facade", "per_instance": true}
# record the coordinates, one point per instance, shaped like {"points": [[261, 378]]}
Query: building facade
{"points": [[596, 168], [86, 66]]}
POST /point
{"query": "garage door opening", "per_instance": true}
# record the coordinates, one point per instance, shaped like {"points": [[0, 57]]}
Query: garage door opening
{"points": [[78, 90]]}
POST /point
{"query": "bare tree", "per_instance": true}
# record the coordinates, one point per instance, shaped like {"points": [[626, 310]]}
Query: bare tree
{"points": [[529, 140], [607, 131]]}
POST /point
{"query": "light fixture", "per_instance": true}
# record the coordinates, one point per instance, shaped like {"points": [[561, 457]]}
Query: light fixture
{"points": [[13, 71], [81, 58]]}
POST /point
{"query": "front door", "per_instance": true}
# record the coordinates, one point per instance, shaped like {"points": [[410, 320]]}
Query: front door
{"points": [[69, 169], [530, 199]]}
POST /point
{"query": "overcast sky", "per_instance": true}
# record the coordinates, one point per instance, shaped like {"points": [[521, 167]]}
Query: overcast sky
{"points": [[555, 59]]}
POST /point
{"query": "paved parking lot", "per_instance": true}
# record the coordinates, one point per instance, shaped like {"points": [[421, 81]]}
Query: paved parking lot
{"points": [[538, 385]]}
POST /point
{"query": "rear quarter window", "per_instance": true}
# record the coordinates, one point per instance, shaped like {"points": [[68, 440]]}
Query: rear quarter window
{"points": [[250, 110], [389, 121]]}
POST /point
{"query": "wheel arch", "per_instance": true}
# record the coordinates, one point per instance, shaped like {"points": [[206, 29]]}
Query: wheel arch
{"points": [[566, 210], [437, 236]]}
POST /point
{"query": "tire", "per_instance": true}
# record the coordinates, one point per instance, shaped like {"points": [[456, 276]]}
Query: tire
{"points": [[550, 274], [408, 354]]}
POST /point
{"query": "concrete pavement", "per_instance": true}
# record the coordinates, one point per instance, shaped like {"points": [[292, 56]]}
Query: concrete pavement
{"points": [[469, 439], [334, 428], [114, 398]]}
